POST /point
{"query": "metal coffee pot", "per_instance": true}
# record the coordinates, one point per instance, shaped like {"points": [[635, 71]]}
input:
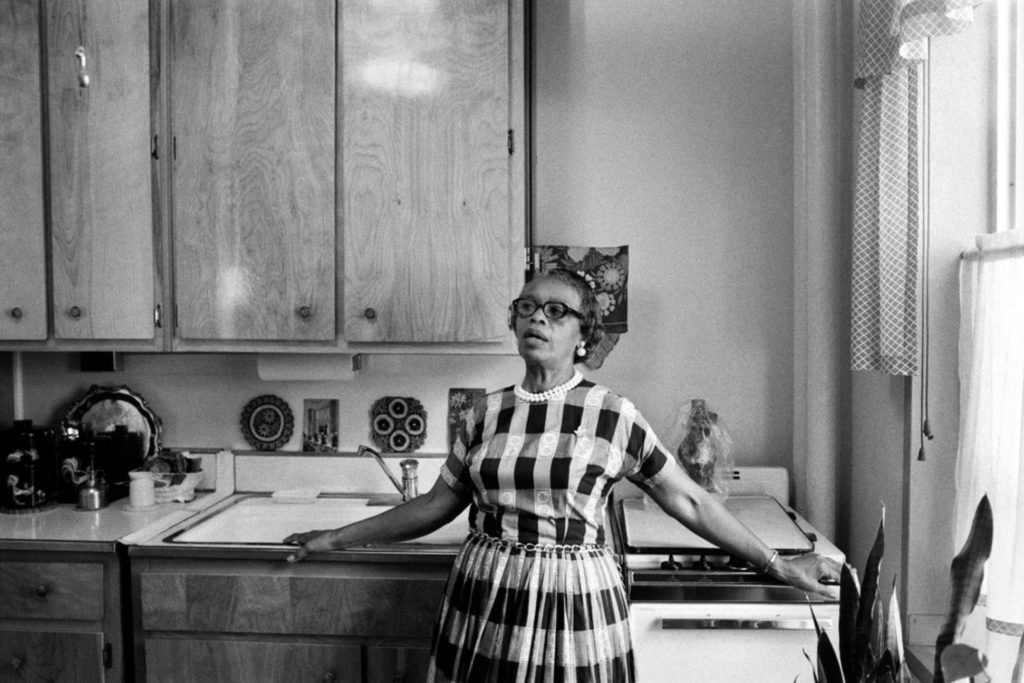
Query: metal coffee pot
{"points": [[92, 494]]}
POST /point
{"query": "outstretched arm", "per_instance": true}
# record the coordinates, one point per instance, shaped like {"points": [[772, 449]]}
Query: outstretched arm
{"points": [[683, 499], [412, 519]]}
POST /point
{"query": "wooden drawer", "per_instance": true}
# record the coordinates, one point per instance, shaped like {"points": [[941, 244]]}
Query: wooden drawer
{"points": [[270, 603], [51, 590], [221, 661], [51, 656]]}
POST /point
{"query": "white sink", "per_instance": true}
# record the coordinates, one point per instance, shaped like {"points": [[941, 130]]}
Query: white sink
{"points": [[261, 520]]}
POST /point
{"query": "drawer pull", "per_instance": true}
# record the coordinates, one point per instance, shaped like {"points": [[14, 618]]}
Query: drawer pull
{"points": [[744, 624], [16, 663], [16, 313], [75, 312], [329, 677], [42, 590], [370, 313], [305, 312]]}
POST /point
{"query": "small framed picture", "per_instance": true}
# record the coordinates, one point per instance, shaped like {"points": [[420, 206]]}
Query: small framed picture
{"points": [[320, 424], [459, 401]]}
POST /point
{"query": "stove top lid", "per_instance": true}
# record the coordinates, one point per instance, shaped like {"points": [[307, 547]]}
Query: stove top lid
{"points": [[648, 529]]}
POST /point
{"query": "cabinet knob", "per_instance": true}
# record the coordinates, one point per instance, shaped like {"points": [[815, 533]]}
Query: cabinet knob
{"points": [[16, 663], [329, 677], [42, 590], [305, 312], [16, 313], [370, 313], [75, 312]]}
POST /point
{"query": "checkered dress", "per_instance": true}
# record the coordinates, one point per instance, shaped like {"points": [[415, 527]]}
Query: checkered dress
{"points": [[535, 595]]}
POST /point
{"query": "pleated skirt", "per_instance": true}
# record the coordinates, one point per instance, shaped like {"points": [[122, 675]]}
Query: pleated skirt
{"points": [[515, 613]]}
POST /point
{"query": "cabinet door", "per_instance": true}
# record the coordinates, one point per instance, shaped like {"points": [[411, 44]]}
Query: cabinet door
{"points": [[22, 242], [101, 184], [224, 661], [391, 664], [62, 657], [426, 121], [252, 115]]}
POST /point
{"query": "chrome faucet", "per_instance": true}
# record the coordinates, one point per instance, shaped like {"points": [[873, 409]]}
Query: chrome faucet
{"points": [[409, 485]]}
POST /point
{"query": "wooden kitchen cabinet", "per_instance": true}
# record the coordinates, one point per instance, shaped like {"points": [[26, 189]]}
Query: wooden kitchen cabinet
{"points": [[22, 236], [251, 619], [75, 131], [431, 170], [60, 616], [252, 111], [101, 200]]}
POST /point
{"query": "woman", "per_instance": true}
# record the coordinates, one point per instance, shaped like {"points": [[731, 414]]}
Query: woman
{"points": [[535, 593]]}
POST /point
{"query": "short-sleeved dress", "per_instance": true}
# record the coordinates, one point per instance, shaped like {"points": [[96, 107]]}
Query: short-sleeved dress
{"points": [[535, 595]]}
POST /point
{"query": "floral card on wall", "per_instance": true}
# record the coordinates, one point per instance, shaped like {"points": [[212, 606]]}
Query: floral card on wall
{"points": [[320, 424], [607, 271], [459, 401]]}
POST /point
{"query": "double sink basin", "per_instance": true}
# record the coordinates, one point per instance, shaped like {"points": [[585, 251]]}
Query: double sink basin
{"points": [[263, 520]]}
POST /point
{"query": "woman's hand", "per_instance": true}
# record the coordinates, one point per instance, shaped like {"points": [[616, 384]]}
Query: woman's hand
{"points": [[412, 519], [809, 572], [316, 541]]}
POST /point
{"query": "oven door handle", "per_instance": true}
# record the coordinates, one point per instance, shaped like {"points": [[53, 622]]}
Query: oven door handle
{"points": [[676, 624]]}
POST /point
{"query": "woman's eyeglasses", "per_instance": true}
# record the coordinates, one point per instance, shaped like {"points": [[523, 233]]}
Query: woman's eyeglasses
{"points": [[553, 310]]}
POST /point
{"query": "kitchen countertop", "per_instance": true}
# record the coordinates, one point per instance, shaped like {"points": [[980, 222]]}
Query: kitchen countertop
{"points": [[65, 526]]}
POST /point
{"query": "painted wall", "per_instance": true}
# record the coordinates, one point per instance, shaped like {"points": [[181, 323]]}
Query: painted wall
{"points": [[663, 125]]}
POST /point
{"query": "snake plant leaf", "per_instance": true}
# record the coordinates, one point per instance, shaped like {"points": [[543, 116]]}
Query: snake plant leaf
{"points": [[828, 663], [966, 573], [866, 607], [879, 629], [814, 668], [885, 670], [849, 598], [962, 661], [828, 668], [894, 638], [1018, 668]]}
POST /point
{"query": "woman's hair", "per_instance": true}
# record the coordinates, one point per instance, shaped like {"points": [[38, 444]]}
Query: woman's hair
{"points": [[591, 328]]}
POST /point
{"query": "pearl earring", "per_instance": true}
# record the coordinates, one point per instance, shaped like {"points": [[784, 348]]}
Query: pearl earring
{"points": [[582, 350]]}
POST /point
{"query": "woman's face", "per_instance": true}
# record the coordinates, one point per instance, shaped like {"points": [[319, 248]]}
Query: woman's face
{"points": [[544, 341]]}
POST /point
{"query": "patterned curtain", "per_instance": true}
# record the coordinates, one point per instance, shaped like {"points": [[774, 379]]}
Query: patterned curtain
{"points": [[892, 42]]}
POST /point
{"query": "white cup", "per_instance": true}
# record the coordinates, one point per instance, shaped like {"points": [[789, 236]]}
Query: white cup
{"points": [[140, 490]]}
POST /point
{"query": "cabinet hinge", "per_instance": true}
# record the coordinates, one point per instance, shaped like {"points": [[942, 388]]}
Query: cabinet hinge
{"points": [[511, 142], [154, 148], [108, 656]]}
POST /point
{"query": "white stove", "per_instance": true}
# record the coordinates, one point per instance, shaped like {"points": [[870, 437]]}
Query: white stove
{"points": [[699, 614]]}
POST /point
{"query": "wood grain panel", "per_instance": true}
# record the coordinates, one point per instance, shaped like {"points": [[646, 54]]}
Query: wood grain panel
{"points": [[255, 603], [390, 664], [51, 590], [252, 102], [22, 237], [223, 661], [64, 657], [425, 90], [101, 200]]}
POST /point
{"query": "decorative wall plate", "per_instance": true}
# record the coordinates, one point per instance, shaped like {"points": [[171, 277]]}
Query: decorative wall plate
{"points": [[267, 422], [398, 424]]}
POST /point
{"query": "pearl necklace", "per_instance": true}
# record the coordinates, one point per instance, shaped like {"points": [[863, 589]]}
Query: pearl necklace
{"points": [[552, 394]]}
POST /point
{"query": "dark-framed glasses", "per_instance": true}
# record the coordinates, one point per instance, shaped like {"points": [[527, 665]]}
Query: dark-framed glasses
{"points": [[553, 310]]}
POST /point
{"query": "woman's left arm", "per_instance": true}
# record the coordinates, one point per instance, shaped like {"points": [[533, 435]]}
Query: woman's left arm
{"points": [[683, 499]]}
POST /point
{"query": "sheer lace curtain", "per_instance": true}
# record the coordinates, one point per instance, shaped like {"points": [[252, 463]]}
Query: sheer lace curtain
{"points": [[991, 447]]}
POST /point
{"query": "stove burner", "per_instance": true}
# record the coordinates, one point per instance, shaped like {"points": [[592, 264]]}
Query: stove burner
{"points": [[671, 564]]}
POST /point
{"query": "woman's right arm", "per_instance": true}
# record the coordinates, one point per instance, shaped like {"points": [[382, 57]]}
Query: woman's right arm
{"points": [[412, 519]]}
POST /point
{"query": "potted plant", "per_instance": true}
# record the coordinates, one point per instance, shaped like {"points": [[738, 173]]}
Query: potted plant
{"points": [[871, 640]]}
